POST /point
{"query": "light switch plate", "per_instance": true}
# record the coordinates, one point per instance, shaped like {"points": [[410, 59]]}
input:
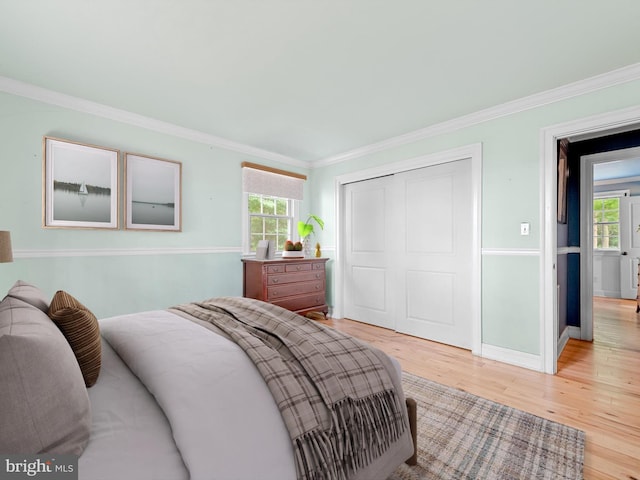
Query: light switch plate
{"points": [[524, 228]]}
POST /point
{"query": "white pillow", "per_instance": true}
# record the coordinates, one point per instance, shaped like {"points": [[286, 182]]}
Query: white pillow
{"points": [[29, 293], [45, 405]]}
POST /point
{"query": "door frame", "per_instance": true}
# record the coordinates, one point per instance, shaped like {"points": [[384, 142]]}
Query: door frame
{"points": [[472, 152], [586, 238], [581, 129]]}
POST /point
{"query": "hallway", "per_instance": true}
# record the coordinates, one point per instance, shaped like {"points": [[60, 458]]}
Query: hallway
{"points": [[614, 355]]}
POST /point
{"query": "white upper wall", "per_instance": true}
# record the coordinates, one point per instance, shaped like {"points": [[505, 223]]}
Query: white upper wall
{"points": [[311, 80]]}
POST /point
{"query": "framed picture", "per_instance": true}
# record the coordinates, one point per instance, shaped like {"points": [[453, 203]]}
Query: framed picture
{"points": [[563, 174], [80, 185], [153, 195]]}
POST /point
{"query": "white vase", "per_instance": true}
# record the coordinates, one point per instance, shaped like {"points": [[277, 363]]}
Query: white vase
{"points": [[306, 247]]}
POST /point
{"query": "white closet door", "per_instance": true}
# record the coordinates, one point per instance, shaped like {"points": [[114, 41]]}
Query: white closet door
{"points": [[368, 276], [629, 246], [434, 280], [409, 252]]}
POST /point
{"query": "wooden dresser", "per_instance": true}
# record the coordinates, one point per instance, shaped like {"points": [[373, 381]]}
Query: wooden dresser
{"points": [[296, 284]]}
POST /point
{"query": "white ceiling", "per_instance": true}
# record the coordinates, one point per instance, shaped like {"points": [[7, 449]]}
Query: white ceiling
{"points": [[311, 79]]}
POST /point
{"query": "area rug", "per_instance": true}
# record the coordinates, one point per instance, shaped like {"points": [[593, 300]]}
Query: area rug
{"points": [[462, 436]]}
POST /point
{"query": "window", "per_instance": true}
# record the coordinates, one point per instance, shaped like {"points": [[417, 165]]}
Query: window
{"points": [[270, 218], [270, 205], [606, 223]]}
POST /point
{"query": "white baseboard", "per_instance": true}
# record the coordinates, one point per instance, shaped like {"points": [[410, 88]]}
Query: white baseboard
{"points": [[562, 341], [607, 293], [574, 332], [513, 357]]}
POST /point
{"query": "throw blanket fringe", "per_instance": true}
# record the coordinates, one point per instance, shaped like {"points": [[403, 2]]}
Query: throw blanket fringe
{"points": [[336, 399]]}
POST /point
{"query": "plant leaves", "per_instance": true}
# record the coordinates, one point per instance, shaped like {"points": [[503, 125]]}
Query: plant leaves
{"points": [[306, 228], [318, 220]]}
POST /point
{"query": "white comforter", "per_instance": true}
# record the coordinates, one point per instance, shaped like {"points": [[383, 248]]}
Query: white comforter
{"points": [[220, 412]]}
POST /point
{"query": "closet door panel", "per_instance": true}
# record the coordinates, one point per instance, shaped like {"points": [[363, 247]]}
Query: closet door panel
{"points": [[369, 291], [433, 289]]}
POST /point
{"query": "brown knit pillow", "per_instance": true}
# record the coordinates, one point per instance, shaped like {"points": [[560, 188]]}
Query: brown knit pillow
{"points": [[80, 327]]}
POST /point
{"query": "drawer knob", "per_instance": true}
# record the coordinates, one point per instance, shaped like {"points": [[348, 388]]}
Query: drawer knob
{"points": [[298, 267], [275, 280]]}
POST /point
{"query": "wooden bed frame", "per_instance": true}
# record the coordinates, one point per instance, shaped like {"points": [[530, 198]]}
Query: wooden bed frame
{"points": [[412, 410]]}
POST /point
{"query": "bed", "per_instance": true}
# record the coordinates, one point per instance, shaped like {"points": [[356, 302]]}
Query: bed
{"points": [[189, 393]]}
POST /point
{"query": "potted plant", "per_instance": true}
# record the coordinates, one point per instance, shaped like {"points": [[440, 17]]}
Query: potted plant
{"points": [[305, 229]]}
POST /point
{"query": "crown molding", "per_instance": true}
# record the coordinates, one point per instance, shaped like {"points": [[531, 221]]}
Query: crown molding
{"points": [[22, 89], [615, 77]]}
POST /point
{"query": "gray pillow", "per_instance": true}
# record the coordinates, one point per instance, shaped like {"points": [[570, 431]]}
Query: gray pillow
{"points": [[29, 293], [44, 403]]}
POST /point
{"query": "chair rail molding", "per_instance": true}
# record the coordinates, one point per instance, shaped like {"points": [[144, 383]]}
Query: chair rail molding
{"points": [[120, 252]]}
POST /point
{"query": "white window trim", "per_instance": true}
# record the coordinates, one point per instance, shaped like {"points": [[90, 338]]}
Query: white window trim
{"points": [[295, 206], [610, 194]]}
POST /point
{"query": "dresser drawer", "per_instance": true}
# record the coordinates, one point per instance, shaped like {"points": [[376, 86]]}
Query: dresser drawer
{"points": [[277, 279], [294, 268], [275, 269], [292, 289], [302, 302], [298, 267]]}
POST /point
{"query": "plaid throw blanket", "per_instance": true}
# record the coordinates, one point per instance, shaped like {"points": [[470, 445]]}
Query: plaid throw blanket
{"points": [[336, 399]]}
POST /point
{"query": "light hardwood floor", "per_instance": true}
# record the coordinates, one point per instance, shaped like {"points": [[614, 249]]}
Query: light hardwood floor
{"points": [[597, 388]]}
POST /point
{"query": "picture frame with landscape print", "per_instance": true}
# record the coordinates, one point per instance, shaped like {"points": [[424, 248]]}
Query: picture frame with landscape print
{"points": [[153, 194], [80, 185]]}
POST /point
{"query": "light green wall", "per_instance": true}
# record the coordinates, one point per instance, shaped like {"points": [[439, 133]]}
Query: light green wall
{"points": [[212, 202], [510, 296], [511, 194], [113, 284]]}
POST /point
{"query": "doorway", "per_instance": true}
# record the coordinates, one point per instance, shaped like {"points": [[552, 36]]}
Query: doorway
{"points": [[608, 262], [587, 128]]}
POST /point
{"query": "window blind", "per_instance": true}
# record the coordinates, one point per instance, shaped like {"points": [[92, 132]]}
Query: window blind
{"points": [[269, 181]]}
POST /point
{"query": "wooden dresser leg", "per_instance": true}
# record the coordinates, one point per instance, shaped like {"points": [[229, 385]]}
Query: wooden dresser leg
{"points": [[412, 410]]}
